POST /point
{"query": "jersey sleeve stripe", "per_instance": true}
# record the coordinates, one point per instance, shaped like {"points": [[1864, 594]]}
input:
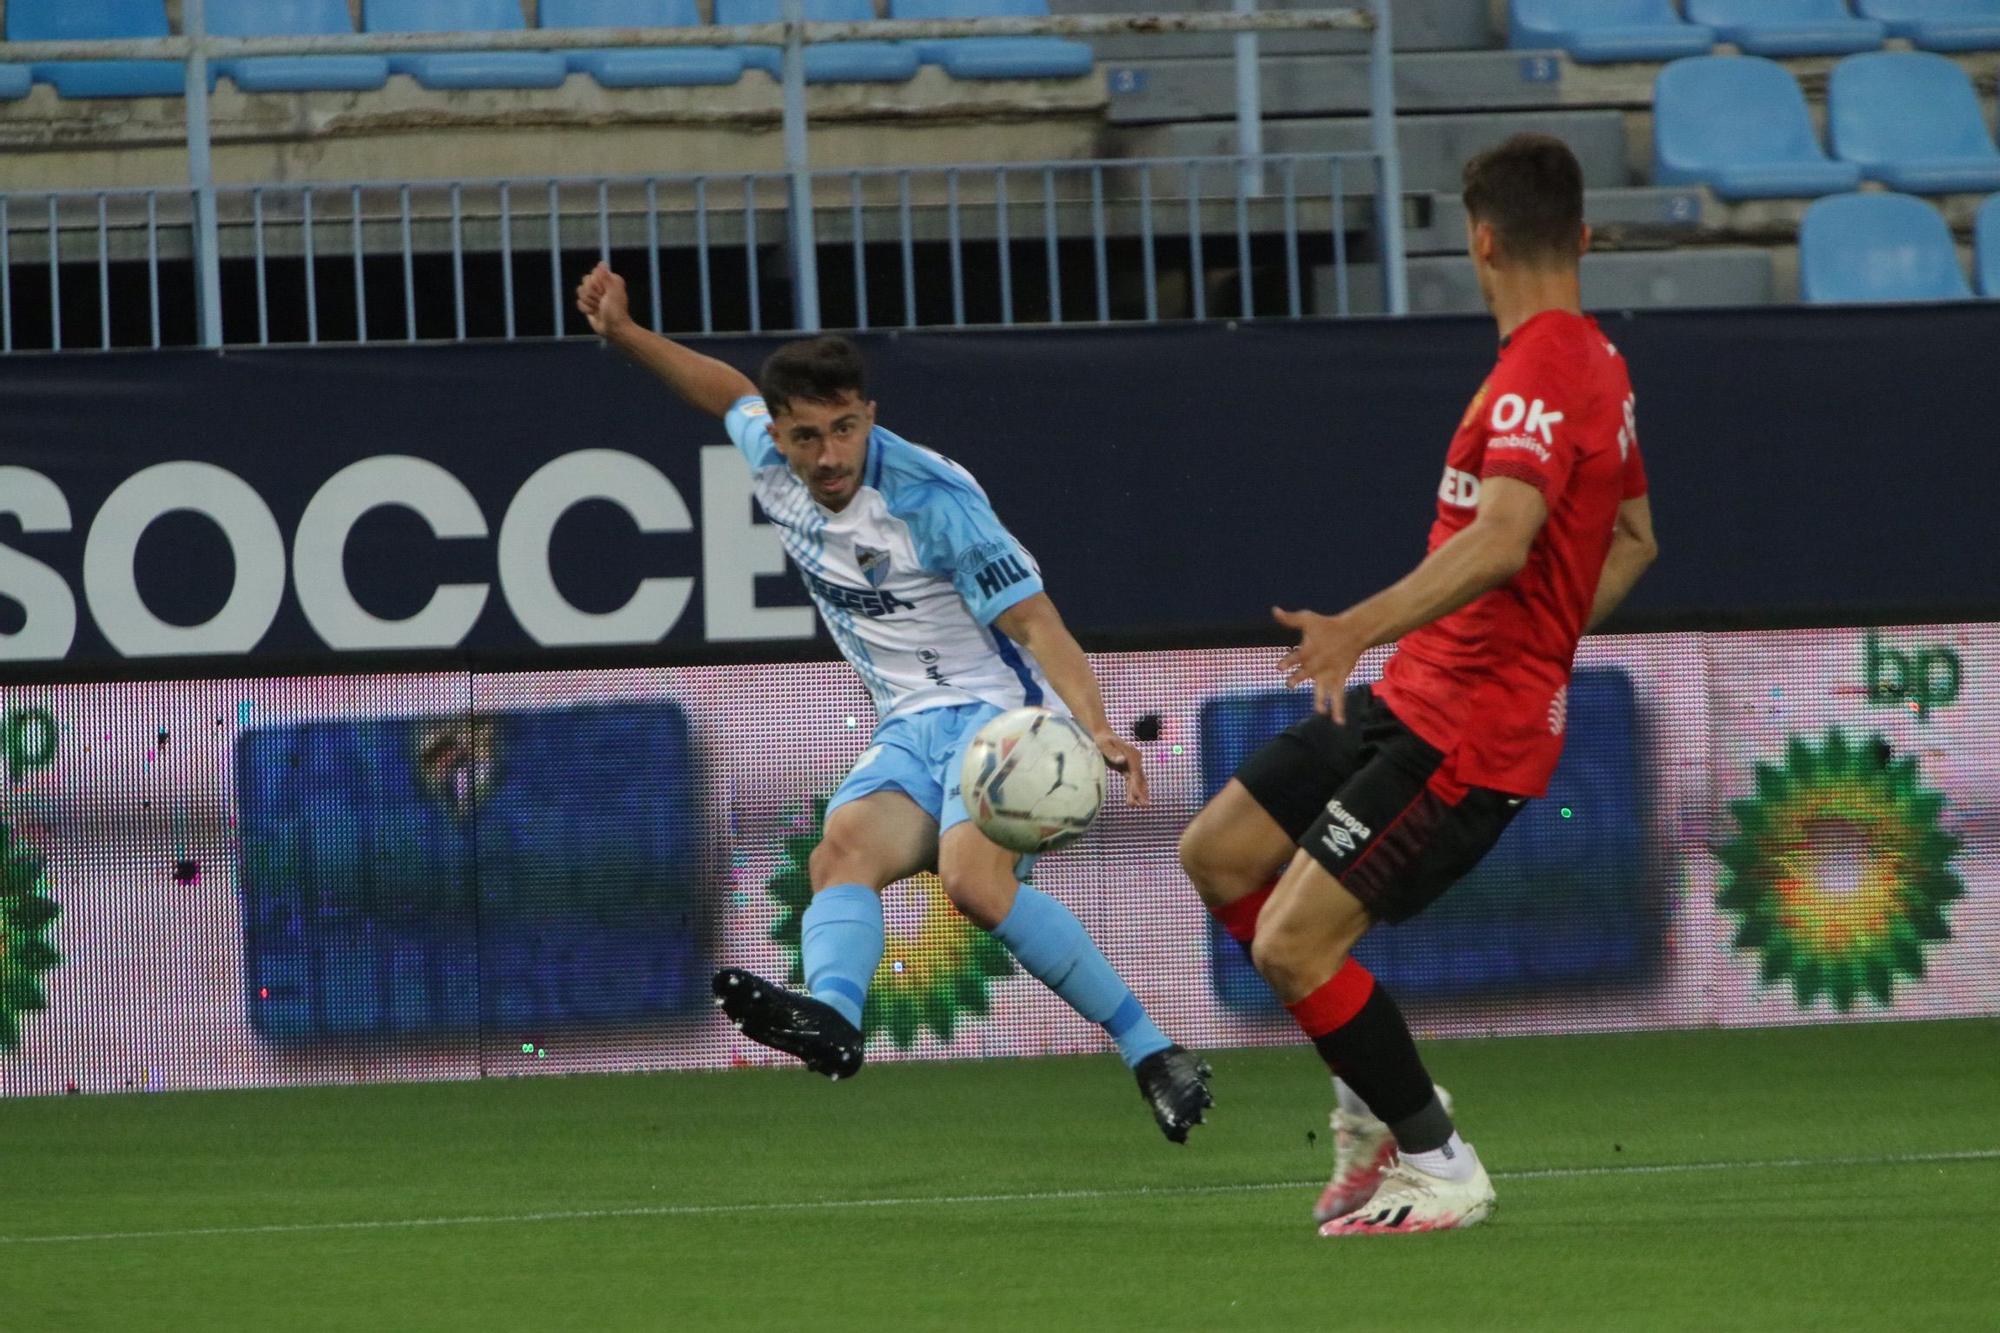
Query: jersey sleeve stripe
{"points": [[1031, 690], [1534, 476]]}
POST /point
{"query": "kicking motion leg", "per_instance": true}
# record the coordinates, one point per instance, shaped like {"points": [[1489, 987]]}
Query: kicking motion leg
{"points": [[1052, 946], [869, 844]]}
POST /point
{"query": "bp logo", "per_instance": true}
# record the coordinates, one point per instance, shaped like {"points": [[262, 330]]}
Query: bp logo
{"points": [[933, 975], [1839, 874], [26, 914]]}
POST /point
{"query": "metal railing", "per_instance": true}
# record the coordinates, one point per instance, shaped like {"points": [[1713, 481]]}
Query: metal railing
{"points": [[1275, 204], [985, 243]]}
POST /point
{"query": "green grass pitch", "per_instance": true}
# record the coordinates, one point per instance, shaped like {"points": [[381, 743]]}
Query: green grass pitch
{"points": [[1825, 1178]]}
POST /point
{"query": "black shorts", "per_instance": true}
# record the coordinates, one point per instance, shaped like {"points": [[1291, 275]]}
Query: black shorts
{"points": [[1369, 799]]}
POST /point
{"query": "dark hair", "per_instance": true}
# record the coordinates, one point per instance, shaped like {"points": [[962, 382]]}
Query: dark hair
{"points": [[1530, 189], [819, 370]]}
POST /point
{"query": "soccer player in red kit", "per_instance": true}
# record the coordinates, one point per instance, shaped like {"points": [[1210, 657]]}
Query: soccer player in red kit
{"points": [[1378, 802]]}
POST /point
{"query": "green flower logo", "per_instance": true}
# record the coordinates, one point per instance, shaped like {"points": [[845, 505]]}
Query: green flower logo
{"points": [[26, 914], [1839, 874], [931, 978]]}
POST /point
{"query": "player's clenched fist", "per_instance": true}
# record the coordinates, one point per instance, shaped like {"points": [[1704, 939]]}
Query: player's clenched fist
{"points": [[601, 298]]}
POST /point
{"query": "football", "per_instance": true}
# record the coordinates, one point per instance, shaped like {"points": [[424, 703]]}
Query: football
{"points": [[1033, 780]]}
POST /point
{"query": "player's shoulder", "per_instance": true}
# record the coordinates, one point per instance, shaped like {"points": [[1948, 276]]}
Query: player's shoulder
{"points": [[748, 422], [913, 478], [1564, 351]]}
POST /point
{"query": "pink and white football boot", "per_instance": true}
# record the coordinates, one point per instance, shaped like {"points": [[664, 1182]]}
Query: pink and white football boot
{"points": [[1363, 1149]]}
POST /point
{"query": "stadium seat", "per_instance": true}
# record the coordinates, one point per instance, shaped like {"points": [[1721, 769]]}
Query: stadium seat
{"points": [[480, 69], [1940, 25], [1877, 247], [830, 62], [293, 74], [1789, 27], [639, 67], [1986, 252], [1912, 121], [996, 57], [16, 82], [68, 21], [1739, 125], [1599, 31]]}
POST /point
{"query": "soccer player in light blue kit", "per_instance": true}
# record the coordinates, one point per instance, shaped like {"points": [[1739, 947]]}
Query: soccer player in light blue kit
{"points": [[943, 615]]}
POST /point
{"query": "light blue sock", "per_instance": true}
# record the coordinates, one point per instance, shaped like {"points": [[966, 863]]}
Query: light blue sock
{"points": [[1056, 950], [841, 945]]}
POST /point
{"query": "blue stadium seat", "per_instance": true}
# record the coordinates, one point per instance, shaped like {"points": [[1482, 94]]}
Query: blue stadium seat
{"points": [[1789, 27], [996, 57], [293, 74], [481, 69], [1912, 121], [1739, 125], [1878, 247], [16, 82], [1599, 31], [832, 62], [1940, 25], [1986, 254], [68, 21], [638, 67]]}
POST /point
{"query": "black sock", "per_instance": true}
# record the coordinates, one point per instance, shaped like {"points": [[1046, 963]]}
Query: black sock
{"points": [[1377, 1057]]}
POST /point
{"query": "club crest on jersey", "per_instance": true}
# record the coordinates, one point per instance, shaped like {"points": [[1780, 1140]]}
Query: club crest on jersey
{"points": [[1478, 400], [874, 564]]}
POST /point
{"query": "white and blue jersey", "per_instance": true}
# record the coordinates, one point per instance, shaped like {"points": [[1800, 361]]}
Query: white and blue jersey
{"points": [[909, 577]]}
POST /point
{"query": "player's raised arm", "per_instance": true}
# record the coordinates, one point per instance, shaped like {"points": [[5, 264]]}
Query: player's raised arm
{"points": [[1036, 625], [704, 382], [1485, 554]]}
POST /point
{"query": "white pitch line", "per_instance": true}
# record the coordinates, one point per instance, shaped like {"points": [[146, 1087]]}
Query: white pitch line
{"points": [[961, 1200]]}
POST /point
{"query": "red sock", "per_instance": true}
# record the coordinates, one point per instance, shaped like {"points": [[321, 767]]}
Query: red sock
{"points": [[1335, 1004], [1240, 917]]}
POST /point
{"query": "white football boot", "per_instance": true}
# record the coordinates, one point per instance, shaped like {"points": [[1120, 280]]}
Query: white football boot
{"points": [[1410, 1200], [1363, 1148]]}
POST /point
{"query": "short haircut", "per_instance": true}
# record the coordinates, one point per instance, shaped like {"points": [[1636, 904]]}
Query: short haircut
{"points": [[818, 370], [1530, 189]]}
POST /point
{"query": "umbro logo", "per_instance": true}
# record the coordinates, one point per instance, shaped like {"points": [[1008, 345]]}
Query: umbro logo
{"points": [[1343, 831]]}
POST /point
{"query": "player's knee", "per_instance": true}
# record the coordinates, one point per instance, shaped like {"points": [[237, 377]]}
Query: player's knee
{"points": [[836, 861], [1281, 961], [1210, 869], [983, 900]]}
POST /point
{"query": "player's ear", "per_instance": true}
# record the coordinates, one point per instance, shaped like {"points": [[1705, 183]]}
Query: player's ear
{"points": [[1483, 244], [1583, 242]]}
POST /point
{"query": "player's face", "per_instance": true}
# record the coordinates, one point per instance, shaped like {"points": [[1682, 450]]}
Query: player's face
{"points": [[826, 444]]}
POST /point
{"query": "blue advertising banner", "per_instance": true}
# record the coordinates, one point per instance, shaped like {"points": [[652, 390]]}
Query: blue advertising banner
{"points": [[325, 508]]}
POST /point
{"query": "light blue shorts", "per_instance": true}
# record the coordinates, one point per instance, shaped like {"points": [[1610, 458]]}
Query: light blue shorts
{"points": [[919, 755]]}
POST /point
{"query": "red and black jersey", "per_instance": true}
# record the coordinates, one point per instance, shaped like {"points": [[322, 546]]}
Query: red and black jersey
{"points": [[1488, 684]]}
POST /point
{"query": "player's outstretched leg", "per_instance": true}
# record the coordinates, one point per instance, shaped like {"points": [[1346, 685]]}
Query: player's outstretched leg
{"points": [[870, 840], [785, 1021], [1052, 946], [840, 946]]}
